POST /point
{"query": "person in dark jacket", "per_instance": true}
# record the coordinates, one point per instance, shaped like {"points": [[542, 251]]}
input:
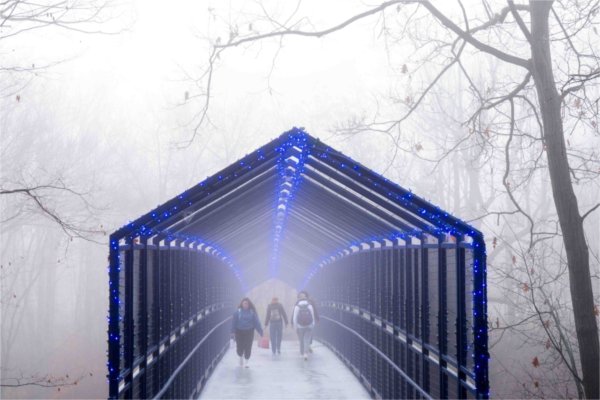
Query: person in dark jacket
{"points": [[276, 316], [244, 322]]}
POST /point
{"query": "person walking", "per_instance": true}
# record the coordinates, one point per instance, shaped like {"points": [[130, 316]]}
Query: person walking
{"points": [[276, 316], [303, 318], [244, 322], [304, 294], [313, 304]]}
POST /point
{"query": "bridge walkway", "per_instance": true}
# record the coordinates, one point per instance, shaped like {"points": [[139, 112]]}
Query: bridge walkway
{"points": [[284, 376]]}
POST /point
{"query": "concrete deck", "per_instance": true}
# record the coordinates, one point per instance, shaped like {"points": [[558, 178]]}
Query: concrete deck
{"points": [[285, 376]]}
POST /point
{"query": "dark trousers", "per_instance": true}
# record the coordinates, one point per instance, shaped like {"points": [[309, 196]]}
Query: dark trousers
{"points": [[276, 331], [243, 341]]}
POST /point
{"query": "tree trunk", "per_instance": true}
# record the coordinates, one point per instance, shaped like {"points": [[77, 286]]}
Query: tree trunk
{"points": [[570, 220]]}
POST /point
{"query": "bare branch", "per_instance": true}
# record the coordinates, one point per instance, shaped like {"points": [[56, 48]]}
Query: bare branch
{"points": [[47, 381], [557, 346], [581, 79], [507, 172], [497, 213], [428, 88], [591, 210], [71, 229], [25, 16], [497, 18], [203, 114], [502, 99], [521, 62], [519, 20], [317, 34]]}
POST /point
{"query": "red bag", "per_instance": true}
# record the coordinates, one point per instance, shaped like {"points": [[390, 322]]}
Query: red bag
{"points": [[263, 342]]}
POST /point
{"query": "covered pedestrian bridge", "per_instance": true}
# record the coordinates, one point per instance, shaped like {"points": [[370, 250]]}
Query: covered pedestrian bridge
{"points": [[400, 284]]}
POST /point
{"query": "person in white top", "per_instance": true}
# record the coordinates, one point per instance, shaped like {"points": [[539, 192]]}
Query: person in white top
{"points": [[303, 318]]}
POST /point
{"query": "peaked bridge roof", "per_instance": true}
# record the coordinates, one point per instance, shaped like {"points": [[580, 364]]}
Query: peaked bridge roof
{"points": [[286, 207]]}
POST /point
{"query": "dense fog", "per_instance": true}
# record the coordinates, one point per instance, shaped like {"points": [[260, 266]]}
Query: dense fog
{"points": [[101, 120]]}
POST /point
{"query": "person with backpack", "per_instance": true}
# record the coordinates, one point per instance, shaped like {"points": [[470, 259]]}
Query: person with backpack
{"points": [[276, 316], [304, 294], [304, 320], [313, 304], [244, 322]]}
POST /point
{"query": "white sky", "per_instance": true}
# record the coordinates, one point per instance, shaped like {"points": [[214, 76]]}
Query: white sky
{"points": [[313, 81]]}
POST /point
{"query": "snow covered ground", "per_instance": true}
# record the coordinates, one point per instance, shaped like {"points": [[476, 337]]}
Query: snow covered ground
{"points": [[285, 376]]}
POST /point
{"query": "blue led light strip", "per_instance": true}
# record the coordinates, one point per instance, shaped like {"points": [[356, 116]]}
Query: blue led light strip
{"points": [[347, 250], [293, 154], [209, 248], [407, 200]]}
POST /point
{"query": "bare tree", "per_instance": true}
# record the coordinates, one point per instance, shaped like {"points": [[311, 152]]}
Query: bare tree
{"points": [[544, 51], [46, 381], [538, 322], [35, 200], [19, 17], [25, 196]]}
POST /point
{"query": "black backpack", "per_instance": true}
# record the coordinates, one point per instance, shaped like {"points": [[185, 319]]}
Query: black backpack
{"points": [[305, 317]]}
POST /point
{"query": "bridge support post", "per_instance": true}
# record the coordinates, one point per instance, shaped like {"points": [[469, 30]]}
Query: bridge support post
{"points": [[113, 317]]}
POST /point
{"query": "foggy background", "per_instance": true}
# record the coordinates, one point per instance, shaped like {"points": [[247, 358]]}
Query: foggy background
{"points": [[109, 116]]}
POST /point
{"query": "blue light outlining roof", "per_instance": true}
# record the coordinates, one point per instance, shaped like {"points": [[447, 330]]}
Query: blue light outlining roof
{"points": [[290, 166], [385, 241], [284, 211]]}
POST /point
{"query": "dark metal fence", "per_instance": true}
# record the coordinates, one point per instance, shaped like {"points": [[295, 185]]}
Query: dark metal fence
{"points": [[402, 317], [168, 325]]}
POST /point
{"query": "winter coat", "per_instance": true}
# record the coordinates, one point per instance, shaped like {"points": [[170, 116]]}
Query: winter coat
{"points": [[297, 310], [244, 320], [276, 306]]}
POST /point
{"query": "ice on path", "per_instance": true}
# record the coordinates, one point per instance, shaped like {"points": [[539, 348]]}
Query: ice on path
{"points": [[285, 376]]}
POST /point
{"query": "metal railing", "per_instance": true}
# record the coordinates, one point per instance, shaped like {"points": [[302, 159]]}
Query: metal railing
{"points": [[209, 351], [167, 325], [404, 317], [388, 368]]}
